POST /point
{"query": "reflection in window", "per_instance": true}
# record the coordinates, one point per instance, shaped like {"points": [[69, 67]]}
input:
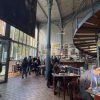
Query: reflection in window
{"points": [[2, 27], [19, 51], [27, 50], [4, 53], [11, 51], [31, 51], [21, 36], [15, 46], [23, 51], [34, 52], [31, 41], [24, 45], [12, 31], [16, 34], [34, 43], [24, 39], [28, 40]]}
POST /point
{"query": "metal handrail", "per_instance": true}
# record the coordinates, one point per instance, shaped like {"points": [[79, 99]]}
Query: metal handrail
{"points": [[85, 7]]}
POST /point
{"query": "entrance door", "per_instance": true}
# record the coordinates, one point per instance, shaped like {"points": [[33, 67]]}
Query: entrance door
{"points": [[4, 50]]}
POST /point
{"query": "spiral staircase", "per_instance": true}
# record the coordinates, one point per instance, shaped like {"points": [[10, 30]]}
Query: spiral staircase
{"points": [[87, 29]]}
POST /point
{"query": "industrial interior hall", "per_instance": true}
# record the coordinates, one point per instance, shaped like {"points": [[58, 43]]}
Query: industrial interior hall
{"points": [[50, 50]]}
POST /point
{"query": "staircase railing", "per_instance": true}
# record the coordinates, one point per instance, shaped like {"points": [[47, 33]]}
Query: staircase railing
{"points": [[85, 9]]}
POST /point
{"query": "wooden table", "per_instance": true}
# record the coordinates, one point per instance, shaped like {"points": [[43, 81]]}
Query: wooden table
{"points": [[66, 78]]}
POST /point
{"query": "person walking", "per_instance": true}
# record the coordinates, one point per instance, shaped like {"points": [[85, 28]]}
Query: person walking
{"points": [[29, 65], [24, 67]]}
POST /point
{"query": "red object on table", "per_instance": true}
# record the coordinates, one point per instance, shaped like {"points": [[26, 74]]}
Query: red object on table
{"points": [[97, 97]]}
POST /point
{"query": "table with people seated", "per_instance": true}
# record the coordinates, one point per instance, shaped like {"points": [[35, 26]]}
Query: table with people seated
{"points": [[66, 78]]}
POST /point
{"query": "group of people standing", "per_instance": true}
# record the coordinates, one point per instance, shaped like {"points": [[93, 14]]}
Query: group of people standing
{"points": [[28, 65]]}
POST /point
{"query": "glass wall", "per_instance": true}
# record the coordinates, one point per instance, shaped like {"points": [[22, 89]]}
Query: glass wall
{"points": [[22, 45], [2, 28]]}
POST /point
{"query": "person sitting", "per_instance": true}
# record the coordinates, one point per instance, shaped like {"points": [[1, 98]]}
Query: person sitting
{"points": [[36, 68], [93, 76], [56, 68]]}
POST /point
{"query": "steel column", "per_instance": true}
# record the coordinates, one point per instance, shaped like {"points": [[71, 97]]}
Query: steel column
{"points": [[61, 40], [7, 34], [98, 54], [48, 51], [37, 52]]}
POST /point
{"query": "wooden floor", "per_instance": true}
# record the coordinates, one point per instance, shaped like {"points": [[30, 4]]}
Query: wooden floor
{"points": [[32, 88]]}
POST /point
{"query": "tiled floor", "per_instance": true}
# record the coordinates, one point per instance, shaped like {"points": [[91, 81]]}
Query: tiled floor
{"points": [[32, 88]]}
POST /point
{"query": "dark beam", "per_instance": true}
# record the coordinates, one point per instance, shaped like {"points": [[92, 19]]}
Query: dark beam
{"points": [[94, 20], [88, 30], [88, 45], [86, 33], [59, 13], [79, 35], [83, 39]]}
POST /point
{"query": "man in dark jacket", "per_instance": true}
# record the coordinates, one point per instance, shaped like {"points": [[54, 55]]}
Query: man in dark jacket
{"points": [[24, 67]]}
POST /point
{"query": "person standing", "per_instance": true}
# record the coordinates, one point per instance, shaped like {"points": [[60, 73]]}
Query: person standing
{"points": [[29, 65], [50, 78], [24, 67]]}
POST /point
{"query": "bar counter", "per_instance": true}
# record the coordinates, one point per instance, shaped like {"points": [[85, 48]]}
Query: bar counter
{"points": [[72, 63]]}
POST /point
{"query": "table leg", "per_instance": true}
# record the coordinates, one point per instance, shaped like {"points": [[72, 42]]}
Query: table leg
{"points": [[64, 87], [54, 85]]}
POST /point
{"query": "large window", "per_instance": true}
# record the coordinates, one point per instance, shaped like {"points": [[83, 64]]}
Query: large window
{"points": [[12, 31], [28, 40], [21, 37], [19, 51], [2, 27], [27, 51], [22, 45], [24, 39], [23, 51], [16, 34], [11, 51], [31, 41], [15, 46], [31, 52]]}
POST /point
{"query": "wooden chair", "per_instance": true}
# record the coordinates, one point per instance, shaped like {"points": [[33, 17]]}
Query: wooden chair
{"points": [[73, 88]]}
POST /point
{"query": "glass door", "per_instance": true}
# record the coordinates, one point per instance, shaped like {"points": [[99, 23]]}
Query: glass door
{"points": [[4, 49]]}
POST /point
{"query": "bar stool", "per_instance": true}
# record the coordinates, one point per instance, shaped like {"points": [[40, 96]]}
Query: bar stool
{"points": [[73, 88]]}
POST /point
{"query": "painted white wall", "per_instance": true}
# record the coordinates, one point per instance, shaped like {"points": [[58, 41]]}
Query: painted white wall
{"points": [[55, 36], [68, 34]]}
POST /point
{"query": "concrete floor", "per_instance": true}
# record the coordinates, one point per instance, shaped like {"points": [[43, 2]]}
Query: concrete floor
{"points": [[32, 88]]}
